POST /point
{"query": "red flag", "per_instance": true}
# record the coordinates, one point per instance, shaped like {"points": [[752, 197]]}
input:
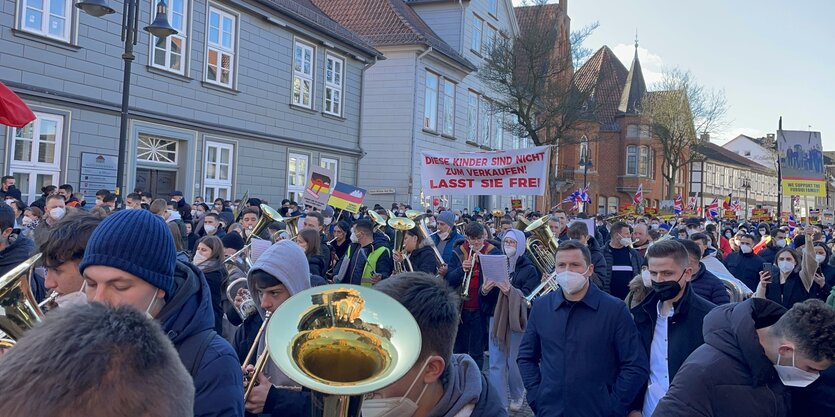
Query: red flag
{"points": [[13, 111], [638, 198]]}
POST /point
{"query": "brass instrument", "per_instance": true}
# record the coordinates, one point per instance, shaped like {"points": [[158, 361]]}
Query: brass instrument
{"points": [[468, 276], [291, 224], [412, 214], [251, 380], [49, 302], [521, 222], [244, 202], [545, 287], [19, 311], [423, 232], [400, 226], [497, 219], [248, 304], [343, 342], [379, 221], [542, 245], [268, 215], [736, 289]]}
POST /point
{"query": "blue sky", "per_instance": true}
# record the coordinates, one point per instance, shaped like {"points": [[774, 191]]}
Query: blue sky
{"points": [[772, 58]]}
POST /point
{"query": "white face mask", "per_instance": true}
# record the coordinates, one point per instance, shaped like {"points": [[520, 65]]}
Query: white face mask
{"points": [[646, 278], [198, 259], [354, 238], [57, 213], [395, 406], [151, 304], [509, 250], [745, 248], [210, 228], [27, 221], [625, 241], [820, 258], [72, 299], [785, 266], [443, 235], [792, 376], [781, 243], [654, 226], [571, 282], [328, 221]]}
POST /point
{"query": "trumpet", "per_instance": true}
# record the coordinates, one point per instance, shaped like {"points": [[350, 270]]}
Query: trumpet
{"points": [[545, 287], [468, 276], [251, 380]]}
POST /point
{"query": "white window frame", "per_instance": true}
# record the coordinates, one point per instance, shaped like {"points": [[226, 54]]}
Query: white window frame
{"points": [[473, 99], [217, 184], [68, 17], [333, 86], [643, 161], [486, 121], [32, 168], [488, 40], [632, 152], [430, 101], [300, 76], [446, 105], [219, 48], [182, 36], [330, 163], [301, 177], [496, 139], [478, 32]]}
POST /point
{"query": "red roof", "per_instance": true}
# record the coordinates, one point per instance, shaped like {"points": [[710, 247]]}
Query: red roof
{"points": [[605, 75]]}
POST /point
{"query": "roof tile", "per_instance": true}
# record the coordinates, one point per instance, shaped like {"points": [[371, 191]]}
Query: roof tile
{"points": [[605, 75]]}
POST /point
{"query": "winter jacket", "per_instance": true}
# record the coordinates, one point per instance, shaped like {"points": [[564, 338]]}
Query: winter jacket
{"points": [[455, 276], [791, 292], [20, 250], [525, 277], [769, 252], [816, 400], [729, 375], [745, 267], [215, 275], [423, 260], [610, 261], [601, 276], [451, 242], [188, 311], [465, 386], [325, 254], [316, 264], [684, 330], [584, 359], [709, 286]]}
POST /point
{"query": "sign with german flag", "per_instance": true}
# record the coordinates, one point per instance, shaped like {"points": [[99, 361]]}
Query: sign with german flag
{"points": [[347, 197], [318, 188]]}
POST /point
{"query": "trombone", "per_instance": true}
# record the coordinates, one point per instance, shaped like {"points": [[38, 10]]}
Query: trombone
{"points": [[251, 380], [400, 226], [545, 287], [468, 276]]}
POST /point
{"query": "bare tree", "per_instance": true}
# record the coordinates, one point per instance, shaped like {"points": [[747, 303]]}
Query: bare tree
{"points": [[680, 111], [533, 75]]}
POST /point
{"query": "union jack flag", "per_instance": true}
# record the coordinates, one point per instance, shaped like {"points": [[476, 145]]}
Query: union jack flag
{"points": [[792, 224], [638, 198], [713, 208], [736, 206], [796, 200], [692, 202], [678, 203]]}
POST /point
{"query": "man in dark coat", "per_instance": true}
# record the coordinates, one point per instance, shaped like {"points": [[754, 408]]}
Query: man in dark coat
{"points": [[778, 241], [622, 262], [579, 231], [581, 354], [130, 259], [669, 320], [734, 374], [446, 238], [704, 283], [744, 264], [14, 249]]}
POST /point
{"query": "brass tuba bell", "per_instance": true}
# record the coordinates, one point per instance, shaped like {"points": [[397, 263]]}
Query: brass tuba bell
{"points": [[342, 342], [542, 245], [18, 309]]}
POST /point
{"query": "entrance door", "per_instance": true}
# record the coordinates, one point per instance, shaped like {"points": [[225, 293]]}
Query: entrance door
{"points": [[160, 183]]}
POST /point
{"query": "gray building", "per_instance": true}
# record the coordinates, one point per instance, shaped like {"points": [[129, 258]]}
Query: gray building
{"points": [[246, 96], [426, 95]]}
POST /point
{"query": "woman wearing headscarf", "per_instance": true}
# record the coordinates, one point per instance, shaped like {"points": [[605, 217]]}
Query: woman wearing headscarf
{"points": [[509, 319]]}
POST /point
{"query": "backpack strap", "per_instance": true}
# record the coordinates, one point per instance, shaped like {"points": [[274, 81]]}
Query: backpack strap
{"points": [[193, 348]]}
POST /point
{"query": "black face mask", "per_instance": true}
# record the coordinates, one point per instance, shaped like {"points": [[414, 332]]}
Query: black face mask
{"points": [[667, 290]]}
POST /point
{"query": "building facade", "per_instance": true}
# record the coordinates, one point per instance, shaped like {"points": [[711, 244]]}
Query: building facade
{"points": [[244, 98], [426, 95]]}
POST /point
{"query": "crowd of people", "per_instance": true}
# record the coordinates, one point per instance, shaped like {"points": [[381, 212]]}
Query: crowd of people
{"points": [[601, 316]]}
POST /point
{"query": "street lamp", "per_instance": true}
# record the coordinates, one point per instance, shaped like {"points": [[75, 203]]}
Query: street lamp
{"points": [[585, 162], [130, 22], [746, 185]]}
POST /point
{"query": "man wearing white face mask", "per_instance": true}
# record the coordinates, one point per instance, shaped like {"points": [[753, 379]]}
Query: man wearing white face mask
{"points": [[581, 353], [622, 260], [744, 264], [54, 210], [777, 242], [754, 349], [447, 238], [130, 259]]}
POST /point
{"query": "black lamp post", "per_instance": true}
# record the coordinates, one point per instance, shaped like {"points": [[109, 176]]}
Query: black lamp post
{"points": [[585, 162], [130, 22], [746, 185]]}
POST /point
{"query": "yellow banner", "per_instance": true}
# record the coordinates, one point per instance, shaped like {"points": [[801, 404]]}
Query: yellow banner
{"points": [[804, 187]]}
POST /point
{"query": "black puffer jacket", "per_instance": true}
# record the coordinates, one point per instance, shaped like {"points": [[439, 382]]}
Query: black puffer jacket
{"points": [[20, 250], [601, 273], [423, 260], [729, 375]]}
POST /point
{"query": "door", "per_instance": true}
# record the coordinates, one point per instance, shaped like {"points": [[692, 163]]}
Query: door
{"points": [[159, 182]]}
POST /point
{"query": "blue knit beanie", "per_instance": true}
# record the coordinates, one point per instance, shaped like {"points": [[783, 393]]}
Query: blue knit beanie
{"points": [[136, 242], [447, 217]]}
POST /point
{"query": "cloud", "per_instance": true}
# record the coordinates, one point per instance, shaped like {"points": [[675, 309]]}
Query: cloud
{"points": [[732, 132], [651, 64]]}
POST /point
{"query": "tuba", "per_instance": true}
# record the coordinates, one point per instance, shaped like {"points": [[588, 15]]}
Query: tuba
{"points": [[521, 222], [18, 309], [542, 245], [379, 221], [497, 219], [400, 226], [342, 342]]}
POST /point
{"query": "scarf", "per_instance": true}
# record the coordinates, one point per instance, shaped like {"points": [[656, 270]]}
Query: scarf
{"points": [[510, 315]]}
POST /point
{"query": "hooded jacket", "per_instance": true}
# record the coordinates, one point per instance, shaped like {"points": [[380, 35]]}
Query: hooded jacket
{"points": [[20, 250], [709, 286], [524, 275], [467, 388], [217, 384], [729, 375]]}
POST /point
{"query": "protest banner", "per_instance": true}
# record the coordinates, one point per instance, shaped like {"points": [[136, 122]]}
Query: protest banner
{"points": [[346, 197], [801, 163], [318, 191], [509, 172], [730, 215], [651, 211], [828, 218], [516, 203], [760, 215], [814, 216]]}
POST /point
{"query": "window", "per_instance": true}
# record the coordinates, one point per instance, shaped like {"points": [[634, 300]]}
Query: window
{"points": [[643, 161], [332, 164], [220, 47], [334, 74], [631, 160], [448, 108], [635, 131], [156, 149], [36, 154], [584, 150], [50, 18], [169, 53], [472, 117], [486, 122], [302, 74], [475, 43], [296, 175], [218, 171], [430, 102], [497, 130], [488, 41], [493, 7]]}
